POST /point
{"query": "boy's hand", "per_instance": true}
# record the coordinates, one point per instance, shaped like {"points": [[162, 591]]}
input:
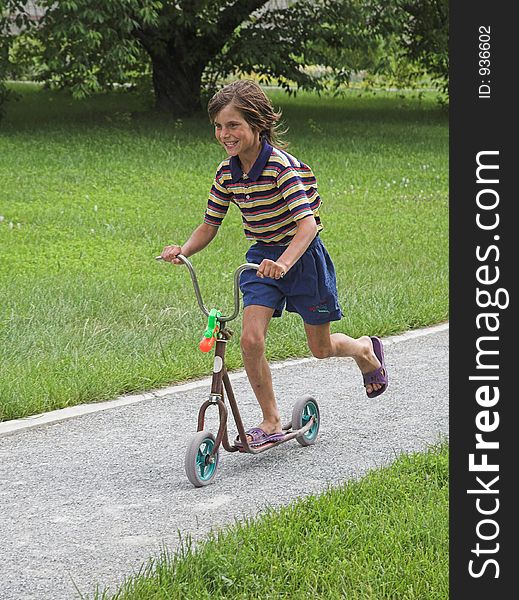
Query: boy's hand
{"points": [[269, 268], [170, 254]]}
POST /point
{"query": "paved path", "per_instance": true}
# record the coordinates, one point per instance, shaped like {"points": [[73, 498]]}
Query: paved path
{"points": [[88, 500]]}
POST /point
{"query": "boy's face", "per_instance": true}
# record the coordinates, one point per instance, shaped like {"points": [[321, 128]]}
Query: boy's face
{"points": [[234, 133]]}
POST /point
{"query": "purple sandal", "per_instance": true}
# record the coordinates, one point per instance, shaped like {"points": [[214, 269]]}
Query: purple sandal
{"points": [[378, 375], [259, 437]]}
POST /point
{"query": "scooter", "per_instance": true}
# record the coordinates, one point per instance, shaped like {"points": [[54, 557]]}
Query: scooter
{"points": [[202, 454]]}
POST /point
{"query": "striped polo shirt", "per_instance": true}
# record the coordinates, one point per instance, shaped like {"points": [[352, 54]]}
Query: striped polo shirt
{"points": [[278, 191]]}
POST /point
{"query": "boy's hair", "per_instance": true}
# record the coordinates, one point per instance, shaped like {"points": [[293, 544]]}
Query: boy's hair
{"points": [[255, 106]]}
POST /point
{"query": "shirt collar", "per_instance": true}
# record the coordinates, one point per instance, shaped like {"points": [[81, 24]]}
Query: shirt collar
{"points": [[257, 168]]}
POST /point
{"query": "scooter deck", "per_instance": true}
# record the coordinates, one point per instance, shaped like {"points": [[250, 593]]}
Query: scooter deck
{"points": [[289, 436]]}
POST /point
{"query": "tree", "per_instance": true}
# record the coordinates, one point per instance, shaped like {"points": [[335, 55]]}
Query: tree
{"points": [[13, 18], [427, 36], [415, 39], [188, 45]]}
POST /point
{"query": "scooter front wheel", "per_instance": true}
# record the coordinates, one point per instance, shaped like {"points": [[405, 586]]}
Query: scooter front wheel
{"points": [[200, 464]]}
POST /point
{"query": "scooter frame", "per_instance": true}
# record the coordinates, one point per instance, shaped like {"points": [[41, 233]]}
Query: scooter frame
{"points": [[221, 383]]}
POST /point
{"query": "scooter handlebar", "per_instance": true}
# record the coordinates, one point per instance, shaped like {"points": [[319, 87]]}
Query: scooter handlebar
{"points": [[194, 279]]}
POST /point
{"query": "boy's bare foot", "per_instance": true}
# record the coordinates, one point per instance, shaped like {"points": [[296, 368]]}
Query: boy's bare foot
{"points": [[271, 427], [367, 361]]}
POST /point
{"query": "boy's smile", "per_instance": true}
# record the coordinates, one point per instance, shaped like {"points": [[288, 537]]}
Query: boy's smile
{"points": [[237, 136]]}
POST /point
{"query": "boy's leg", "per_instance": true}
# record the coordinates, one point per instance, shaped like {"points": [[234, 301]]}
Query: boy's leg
{"points": [[254, 332], [324, 344]]}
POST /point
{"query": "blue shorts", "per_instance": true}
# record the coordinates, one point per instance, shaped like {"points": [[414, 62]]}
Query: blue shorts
{"points": [[309, 288]]}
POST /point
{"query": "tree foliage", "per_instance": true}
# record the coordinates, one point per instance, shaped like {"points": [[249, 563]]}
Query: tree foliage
{"points": [[7, 29], [414, 38], [427, 36], [186, 46]]}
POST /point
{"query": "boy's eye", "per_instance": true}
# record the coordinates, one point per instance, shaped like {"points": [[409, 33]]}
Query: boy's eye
{"points": [[228, 125]]}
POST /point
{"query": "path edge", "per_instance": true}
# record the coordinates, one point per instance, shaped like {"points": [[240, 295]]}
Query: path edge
{"points": [[55, 416]]}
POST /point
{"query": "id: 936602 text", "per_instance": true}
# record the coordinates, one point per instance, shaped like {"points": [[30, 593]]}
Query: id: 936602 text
{"points": [[484, 62]]}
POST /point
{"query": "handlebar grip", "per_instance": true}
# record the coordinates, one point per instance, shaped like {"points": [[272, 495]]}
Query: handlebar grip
{"points": [[206, 344], [160, 257]]}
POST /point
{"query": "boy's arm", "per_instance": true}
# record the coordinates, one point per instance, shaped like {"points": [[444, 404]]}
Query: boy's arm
{"points": [[203, 235], [306, 232]]}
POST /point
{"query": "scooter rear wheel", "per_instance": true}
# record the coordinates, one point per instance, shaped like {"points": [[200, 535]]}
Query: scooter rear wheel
{"points": [[304, 409], [199, 464]]}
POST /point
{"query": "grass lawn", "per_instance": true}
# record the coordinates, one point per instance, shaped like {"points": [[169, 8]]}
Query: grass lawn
{"points": [[383, 537], [92, 190]]}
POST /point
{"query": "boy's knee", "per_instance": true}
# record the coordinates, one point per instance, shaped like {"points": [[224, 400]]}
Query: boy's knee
{"points": [[252, 343]]}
